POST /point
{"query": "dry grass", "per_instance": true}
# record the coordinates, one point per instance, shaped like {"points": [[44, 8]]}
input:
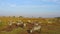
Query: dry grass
{"points": [[53, 28]]}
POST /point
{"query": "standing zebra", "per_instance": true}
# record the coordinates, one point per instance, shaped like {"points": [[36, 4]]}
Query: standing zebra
{"points": [[35, 28]]}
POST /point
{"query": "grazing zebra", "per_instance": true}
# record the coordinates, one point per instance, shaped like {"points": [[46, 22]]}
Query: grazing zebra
{"points": [[10, 23], [21, 24], [20, 20], [24, 25], [13, 22], [49, 22], [18, 23], [29, 20], [36, 24], [35, 28], [40, 22]]}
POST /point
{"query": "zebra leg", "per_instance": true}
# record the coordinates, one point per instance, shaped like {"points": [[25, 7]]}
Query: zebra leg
{"points": [[39, 31], [28, 31]]}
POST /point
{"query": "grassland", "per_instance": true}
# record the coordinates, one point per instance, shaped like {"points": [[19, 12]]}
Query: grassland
{"points": [[47, 28]]}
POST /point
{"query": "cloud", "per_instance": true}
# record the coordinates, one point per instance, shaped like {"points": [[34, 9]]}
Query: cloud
{"points": [[3, 4], [50, 0], [58, 2], [28, 4], [45, 0], [53, 1], [38, 6], [12, 5]]}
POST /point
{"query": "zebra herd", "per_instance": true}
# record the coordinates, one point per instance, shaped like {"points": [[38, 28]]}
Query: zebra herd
{"points": [[34, 26]]}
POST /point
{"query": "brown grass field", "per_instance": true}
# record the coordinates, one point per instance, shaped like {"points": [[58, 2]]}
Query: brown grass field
{"points": [[46, 28]]}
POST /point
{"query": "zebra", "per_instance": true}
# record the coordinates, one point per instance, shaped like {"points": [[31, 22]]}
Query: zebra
{"points": [[21, 24], [35, 28]]}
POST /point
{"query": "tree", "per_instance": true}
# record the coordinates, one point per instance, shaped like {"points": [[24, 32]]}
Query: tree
{"points": [[9, 16], [58, 19], [4, 16], [20, 16], [13, 16], [39, 17]]}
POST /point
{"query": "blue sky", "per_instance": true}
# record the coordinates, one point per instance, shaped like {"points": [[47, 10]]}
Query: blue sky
{"points": [[36, 8]]}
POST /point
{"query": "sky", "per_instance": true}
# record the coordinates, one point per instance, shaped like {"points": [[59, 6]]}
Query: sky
{"points": [[28, 8]]}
